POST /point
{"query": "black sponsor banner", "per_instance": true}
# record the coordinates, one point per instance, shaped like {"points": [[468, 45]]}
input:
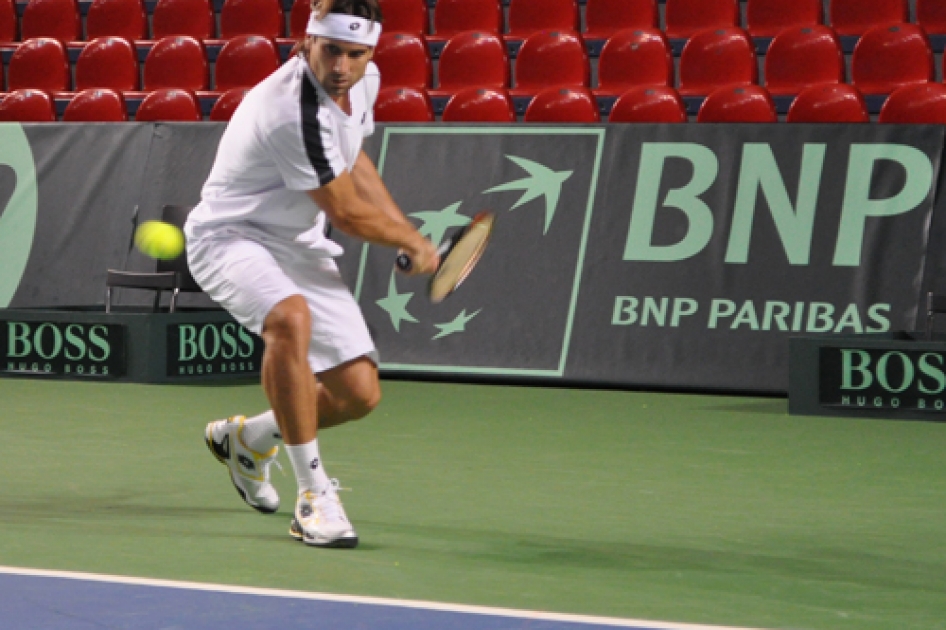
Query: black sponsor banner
{"points": [[711, 245], [888, 379], [57, 348], [679, 256], [212, 348]]}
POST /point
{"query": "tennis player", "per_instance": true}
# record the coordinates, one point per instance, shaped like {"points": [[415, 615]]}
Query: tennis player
{"points": [[289, 160]]}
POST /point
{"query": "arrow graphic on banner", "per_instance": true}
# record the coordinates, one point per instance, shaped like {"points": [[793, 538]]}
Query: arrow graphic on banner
{"points": [[436, 224], [543, 182], [395, 304], [458, 325]]}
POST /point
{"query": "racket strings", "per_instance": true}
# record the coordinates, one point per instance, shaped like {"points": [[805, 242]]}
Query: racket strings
{"points": [[461, 259]]}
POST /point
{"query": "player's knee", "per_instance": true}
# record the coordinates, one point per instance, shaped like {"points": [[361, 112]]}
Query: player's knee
{"points": [[288, 322], [363, 401]]}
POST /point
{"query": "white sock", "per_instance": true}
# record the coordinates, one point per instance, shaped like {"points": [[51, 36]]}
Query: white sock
{"points": [[307, 464], [261, 433]]}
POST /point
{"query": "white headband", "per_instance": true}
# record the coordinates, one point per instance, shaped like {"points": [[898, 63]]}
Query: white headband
{"points": [[347, 28]]}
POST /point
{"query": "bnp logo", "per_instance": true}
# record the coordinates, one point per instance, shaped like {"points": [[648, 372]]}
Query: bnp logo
{"points": [[760, 176], [18, 208], [513, 314], [542, 183]]}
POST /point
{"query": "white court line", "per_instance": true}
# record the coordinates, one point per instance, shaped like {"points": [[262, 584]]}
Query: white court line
{"points": [[371, 601]]}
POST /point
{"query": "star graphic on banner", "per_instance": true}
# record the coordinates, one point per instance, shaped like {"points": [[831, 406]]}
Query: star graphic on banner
{"points": [[458, 325], [543, 181], [396, 305], [436, 224]]}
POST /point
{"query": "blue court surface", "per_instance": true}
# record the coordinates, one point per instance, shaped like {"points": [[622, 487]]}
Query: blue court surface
{"points": [[49, 600]]}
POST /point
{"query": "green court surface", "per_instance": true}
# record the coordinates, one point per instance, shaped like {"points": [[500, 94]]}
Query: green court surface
{"points": [[692, 508]]}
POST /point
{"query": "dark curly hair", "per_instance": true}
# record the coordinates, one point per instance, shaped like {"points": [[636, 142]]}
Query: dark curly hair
{"points": [[367, 9]]}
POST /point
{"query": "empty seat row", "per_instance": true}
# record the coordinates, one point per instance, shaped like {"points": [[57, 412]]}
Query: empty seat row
{"points": [[825, 103], [60, 19], [106, 105], [828, 103], [885, 58], [764, 18], [683, 18], [112, 62]]}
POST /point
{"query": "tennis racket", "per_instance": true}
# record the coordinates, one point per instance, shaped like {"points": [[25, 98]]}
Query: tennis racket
{"points": [[458, 256]]}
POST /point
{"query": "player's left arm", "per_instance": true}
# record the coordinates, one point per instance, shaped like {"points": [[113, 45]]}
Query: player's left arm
{"points": [[371, 188]]}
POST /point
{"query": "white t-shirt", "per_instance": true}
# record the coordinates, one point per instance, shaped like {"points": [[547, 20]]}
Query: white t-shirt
{"points": [[286, 137]]}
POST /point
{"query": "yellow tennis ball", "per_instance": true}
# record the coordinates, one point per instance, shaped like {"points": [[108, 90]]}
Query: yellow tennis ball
{"points": [[158, 239]]}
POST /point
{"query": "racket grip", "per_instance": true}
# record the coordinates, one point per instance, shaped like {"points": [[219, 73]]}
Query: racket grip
{"points": [[403, 262]]}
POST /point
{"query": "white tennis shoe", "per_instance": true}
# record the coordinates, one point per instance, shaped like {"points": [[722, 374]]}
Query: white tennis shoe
{"points": [[249, 470], [320, 521]]}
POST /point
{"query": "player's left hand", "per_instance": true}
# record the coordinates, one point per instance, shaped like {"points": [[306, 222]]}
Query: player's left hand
{"points": [[423, 257]]}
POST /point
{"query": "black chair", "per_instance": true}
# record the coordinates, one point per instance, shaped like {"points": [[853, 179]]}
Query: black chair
{"points": [[169, 275], [934, 304]]}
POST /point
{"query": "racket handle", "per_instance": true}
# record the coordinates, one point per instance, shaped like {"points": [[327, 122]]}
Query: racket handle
{"points": [[404, 262]]}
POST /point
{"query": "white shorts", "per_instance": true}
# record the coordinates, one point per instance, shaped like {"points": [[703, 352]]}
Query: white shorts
{"points": [[249, 274]]}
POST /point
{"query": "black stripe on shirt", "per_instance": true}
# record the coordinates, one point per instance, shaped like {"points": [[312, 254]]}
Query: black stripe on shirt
{"points": [[312, 132]]}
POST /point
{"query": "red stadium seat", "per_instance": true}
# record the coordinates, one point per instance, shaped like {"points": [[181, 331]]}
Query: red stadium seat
{"points": [[96, 105], [480, 105], [717, 57], [829, 103], [251, 17], [244, 61], [531, 16], [169, 104], [856, 17], [404, 16], [7, 21], [58, 19], [403, 60], [452, 17], [401, 104], [656, 104], [738, 104], [119, 18], [177, 61], [604, 18], [803, 56], [887, 57], [27, 106], [472, 59], [551, 58], [107, 62], [563, 105], [931, 16], [39, 63], [767, 18], [193, 18], [299, 18], [686, 18], [924, 103], [224, 106], [633, 58]]}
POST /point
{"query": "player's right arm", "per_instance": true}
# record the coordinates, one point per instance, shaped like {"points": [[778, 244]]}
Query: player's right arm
{"points": [[351, 214]]}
